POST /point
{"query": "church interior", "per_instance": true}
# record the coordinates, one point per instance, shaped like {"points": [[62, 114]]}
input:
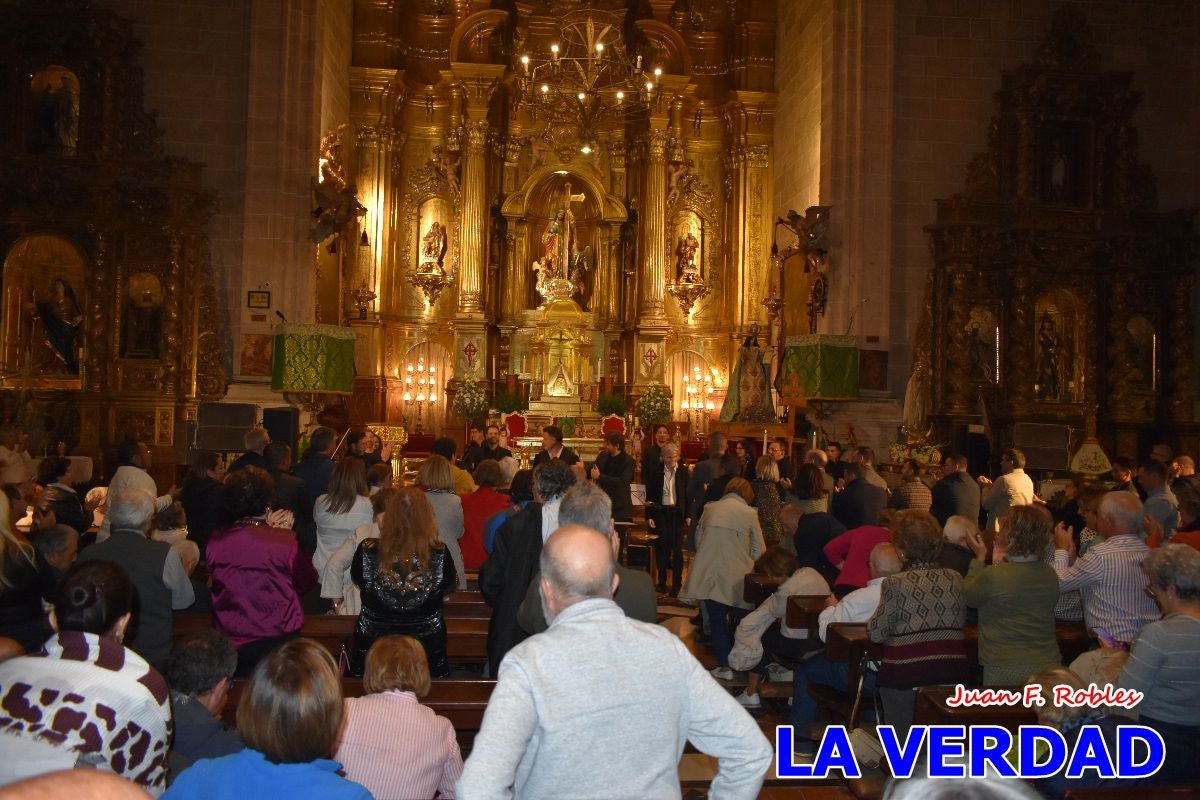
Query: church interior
{"points": [[920, 227], [935, 219]]}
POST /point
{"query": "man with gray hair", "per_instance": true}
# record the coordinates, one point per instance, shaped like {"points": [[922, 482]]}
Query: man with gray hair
{"points": [[666, 514], [255, 441], [601, 705], [154, 567], [1109, 577], [588, 505], [718, 463]]}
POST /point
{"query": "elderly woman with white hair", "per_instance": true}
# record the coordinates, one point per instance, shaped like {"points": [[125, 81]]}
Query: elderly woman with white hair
{"points": [[1162, 663], [956, 553]]}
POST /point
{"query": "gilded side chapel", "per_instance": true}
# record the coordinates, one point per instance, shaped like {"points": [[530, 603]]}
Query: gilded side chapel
{"points": [[915, 225]]}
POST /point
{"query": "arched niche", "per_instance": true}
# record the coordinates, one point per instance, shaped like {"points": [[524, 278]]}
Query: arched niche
{"points": [[52, 122], [983, 343], [696, 383], [1143, 353], [1059, 339], [142, 330], [564, 213], [43, 300]]}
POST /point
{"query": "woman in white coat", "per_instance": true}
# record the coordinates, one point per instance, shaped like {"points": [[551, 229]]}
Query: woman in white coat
{"points": [[435, 478], [728, 540], [340, 512]]}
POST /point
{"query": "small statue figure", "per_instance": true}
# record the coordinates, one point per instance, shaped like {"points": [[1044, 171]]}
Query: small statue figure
{"points": [[1048, 344], [685, 265], [433, 249]]}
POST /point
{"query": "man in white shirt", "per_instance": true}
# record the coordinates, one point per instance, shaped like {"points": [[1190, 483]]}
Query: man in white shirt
{"points": [[601, 705], [135, 459], [858, 606], [1012, 488], [1161, 503]]}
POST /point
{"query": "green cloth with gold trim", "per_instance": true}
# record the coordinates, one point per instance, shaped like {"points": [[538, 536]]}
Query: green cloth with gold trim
{"points": [[314, 358], [819, 367]]}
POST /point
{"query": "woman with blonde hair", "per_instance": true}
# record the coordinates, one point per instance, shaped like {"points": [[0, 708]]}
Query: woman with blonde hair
{"points": [[391, 743], [1016, 597], [767, 500], [728, 540], [436, 478], [289, 716], [340, 512], [403, 577], [25, 580]]}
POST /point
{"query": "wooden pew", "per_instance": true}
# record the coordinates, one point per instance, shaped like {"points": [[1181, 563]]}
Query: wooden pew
{"points": [[804, 610], [460, 701], [845, 642], [756, 588], [931, 709]]}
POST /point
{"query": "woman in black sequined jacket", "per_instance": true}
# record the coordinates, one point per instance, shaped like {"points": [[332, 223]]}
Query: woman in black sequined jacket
{"points": [[403, 577]]}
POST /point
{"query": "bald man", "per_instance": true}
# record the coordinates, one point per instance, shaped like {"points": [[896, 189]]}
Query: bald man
{"points": [[601, 705]]}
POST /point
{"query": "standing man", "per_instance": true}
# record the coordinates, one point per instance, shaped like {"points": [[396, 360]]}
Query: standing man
{"points": [[1123, 470], [316, 466], [667, 503], [912, 492], [860, 503], [834, 451], [1012, 488], [866, 457], [1161, 503], [363, 445], [706, 472], [652, 454], [778, 450], [955, 495], [613, 472], [553, 447], [601, 705], [473, 454], [136, 460], [255, 442]]}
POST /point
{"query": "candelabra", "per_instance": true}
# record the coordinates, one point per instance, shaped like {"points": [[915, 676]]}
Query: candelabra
{"points": [[420, 387], [698, 401]]}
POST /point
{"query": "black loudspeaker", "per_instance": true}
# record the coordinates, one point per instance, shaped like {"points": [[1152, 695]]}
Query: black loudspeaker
{"points": [[283, 424], [222, 426], [1044, 446]]}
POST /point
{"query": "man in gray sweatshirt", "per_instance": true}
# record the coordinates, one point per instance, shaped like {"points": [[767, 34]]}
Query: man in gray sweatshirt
{"points": [[601, 705]]}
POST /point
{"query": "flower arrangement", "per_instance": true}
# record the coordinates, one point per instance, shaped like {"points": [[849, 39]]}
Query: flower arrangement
{"points": [[470, 402], [654, 406]]}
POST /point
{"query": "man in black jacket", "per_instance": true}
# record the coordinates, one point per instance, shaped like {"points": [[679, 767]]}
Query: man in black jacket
{"points": [[613, 472], [860, 503], [666, 514], [957, 493], [553, 447], [504, 577]]}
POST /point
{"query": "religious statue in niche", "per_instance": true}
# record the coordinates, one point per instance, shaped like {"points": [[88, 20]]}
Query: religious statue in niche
{"points": [[56, 90], [61, 318], [1142, 344], [143, 317], [749, 395], [433, 249], [562, 269], [1049, 378], [336, 199], [981, 343], [686, 268], [1062, 169]]}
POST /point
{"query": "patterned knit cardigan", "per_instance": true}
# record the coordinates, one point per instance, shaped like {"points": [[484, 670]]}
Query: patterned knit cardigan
{"points": [[920, 624]]}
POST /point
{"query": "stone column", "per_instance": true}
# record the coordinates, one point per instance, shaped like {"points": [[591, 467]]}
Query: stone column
{"points": [[473, 236]]}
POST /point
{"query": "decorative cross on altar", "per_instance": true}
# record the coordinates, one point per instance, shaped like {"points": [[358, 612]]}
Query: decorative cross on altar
{"points": [[567, 234]]}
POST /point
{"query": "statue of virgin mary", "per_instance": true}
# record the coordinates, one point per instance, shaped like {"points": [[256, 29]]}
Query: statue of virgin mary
{"points": [[749, 397]]}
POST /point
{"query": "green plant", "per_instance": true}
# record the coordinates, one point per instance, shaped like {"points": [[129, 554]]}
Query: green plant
{"points": [[654, 406], [508, 402], [471, 401], [611, 403]]}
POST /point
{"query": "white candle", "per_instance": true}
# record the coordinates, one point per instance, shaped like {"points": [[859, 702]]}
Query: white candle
{"points": [[597, 369]]}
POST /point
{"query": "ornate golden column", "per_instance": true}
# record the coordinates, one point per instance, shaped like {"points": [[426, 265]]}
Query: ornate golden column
{"points": [[650, 307], [474, 224]]}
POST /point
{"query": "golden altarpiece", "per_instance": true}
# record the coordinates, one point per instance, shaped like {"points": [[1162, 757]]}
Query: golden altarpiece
{"points": [[111, 322], [1058, 294], [561, 198]]}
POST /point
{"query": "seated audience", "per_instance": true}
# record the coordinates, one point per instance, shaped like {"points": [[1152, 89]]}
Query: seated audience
{"points": [[289, 490], [435, 477], [728, 540], [289, 716], [25, 580], [403, 577], [1162, 663], [763, 635], [588, 505], [1088, 502], [461, 481], [919, 621], [342, 510], [154, 567], [766, 499], [390, 743], [258, 571], [856, 607], [850, 553], [1016, 597], [58, 546], [813, 530], [201, 497], [87, 701], [1109, 578], [53, 473], [956, 553], [379, 477], [520, 494], [602, 705], [477, 507], [200, 672], [336, 584], [170, 526]]}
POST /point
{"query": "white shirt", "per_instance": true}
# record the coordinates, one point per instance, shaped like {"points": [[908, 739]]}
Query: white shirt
{"points": [[668, 497], [550, 517], [858, 606], [18, 466], [131, 477]]}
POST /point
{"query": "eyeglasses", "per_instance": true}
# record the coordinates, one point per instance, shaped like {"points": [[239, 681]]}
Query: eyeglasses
{"points": [[1150, 592]]}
